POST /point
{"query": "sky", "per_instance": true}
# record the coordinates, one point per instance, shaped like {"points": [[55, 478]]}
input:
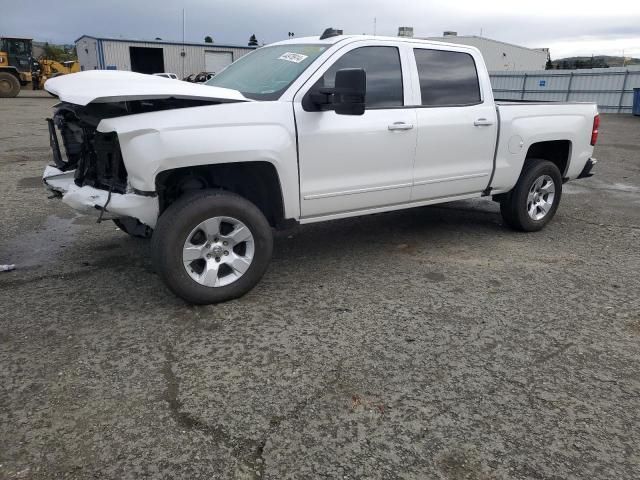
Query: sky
{"points": [[567, 27]]}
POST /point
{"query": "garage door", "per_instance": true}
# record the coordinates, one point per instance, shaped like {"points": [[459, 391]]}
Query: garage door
{"points": [[214, 62]]}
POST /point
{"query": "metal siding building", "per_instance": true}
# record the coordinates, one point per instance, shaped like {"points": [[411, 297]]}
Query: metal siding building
{"points": [[500, 55], [95, 53]]}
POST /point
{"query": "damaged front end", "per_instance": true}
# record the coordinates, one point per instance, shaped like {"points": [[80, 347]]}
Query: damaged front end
{"points": [[95, 157], [89, 172]]}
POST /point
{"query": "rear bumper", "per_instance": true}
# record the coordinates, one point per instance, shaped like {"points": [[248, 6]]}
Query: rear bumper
{"points": [[92, 200], [586, 171]]}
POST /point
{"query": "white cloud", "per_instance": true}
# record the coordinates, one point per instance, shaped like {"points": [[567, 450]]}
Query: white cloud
{"points": [[596, 46]]}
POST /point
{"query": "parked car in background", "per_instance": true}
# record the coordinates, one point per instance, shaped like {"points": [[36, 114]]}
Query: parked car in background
{"points": [[172, 76], [303, 131]]}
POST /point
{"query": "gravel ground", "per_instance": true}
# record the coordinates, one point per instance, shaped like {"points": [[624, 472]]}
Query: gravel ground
{"points": [[430, 343]]}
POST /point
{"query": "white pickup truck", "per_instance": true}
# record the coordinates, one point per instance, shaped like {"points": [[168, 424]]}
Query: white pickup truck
{"points": [[303, 131]]}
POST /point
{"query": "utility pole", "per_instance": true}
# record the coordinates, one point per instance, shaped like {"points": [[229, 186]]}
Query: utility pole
{"points": [[375, 25], [182, 54]]}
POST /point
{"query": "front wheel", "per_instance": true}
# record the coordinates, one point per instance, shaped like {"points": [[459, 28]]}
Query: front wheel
{"points": [[212, 246], [534, 200]]}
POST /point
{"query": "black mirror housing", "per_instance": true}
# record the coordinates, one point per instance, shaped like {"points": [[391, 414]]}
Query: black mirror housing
{"points": [[350, 91], [346, 98]]}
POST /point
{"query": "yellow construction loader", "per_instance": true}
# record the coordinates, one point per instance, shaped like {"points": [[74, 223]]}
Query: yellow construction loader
{"points": [[16, 64], [51, 68], [18, 68]]}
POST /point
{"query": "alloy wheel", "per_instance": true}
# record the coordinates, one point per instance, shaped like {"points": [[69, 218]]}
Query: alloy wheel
{"points": [[218, 251], [540, 197]]}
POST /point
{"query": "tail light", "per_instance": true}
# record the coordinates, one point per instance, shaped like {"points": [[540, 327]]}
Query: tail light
{"points": [[596, 127]]}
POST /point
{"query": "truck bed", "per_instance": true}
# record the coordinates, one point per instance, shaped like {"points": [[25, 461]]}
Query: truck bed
{"points": [[567, 125]]}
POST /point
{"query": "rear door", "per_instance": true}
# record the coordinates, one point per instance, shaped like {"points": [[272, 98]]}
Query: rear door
{"points": [[456, 123], [351, 163]]}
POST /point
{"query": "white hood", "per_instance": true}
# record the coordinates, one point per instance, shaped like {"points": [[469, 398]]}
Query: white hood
{"points": [[101, 86]]}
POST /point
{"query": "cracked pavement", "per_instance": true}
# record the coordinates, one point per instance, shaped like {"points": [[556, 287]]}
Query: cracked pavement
{"points": [[429, 343]]}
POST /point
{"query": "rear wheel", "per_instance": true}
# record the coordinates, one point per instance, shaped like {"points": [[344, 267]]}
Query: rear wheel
{"points": [[212, 246], [534, 200], [9, 85]]}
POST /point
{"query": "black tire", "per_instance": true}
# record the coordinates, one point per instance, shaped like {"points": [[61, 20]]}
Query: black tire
{"points": [[9, 85], [514, 205], [133, 227], [179, 220]]}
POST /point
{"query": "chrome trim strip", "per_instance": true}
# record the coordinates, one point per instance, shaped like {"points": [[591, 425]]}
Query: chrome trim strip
{"points": [[353, 192], [451, 179], [392, 187]]}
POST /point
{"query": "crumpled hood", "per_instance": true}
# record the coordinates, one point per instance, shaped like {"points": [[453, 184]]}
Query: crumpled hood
{"points": [[102, 86]]}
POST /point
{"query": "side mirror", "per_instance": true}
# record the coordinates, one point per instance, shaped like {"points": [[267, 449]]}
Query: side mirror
{"points": [[346, 98], [350, 91]]}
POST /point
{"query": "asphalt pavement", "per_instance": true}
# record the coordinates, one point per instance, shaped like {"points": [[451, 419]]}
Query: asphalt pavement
{"points": [[427, 343]]}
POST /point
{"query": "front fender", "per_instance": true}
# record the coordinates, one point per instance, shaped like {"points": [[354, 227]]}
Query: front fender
{"points": [[210, 135]]}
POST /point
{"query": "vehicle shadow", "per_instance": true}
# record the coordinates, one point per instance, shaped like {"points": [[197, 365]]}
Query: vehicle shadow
{"points": [[316, 250], [478, 218]]}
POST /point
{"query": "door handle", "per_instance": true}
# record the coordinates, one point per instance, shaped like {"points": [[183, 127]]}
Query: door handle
{"points": [[400, 126], [482, 122]]}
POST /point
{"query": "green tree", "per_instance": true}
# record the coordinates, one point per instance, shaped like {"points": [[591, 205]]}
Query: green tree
{"points": [[208, 39], [54, 52], [253, 41], [549, 65]]}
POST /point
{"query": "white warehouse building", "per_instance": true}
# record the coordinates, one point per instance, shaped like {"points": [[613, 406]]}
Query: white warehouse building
{"points": [[155, 56], [501, 56]]}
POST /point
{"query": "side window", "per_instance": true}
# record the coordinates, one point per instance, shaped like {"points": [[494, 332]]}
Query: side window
{"points": [[447, 78], [384, 74]]}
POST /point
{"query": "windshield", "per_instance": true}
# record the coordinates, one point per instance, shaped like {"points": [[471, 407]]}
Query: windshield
{"points": [[19, 47], [267, 72]]}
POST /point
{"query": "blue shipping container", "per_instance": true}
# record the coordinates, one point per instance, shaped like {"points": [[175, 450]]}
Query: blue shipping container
{"points": [[636, 101]]}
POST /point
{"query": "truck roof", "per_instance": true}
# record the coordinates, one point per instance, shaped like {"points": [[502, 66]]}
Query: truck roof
{"points": [[353, 38]]}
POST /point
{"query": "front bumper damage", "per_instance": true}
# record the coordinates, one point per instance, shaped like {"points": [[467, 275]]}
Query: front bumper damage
{"points": [[91, 177], [92, 200]]}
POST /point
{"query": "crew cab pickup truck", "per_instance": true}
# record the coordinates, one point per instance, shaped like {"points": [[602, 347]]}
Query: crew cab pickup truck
{"points": [[303, 131]]}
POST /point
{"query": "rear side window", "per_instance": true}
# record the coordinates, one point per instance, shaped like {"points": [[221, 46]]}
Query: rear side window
{"points": [[384, 74], [447, 78]]}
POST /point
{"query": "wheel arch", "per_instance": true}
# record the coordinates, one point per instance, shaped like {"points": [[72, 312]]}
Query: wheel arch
{"points": [[12, 70], [257, 181], [557, 152]]}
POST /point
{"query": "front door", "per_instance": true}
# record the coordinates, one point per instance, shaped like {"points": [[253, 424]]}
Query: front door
{"points": [[354, 163]]}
